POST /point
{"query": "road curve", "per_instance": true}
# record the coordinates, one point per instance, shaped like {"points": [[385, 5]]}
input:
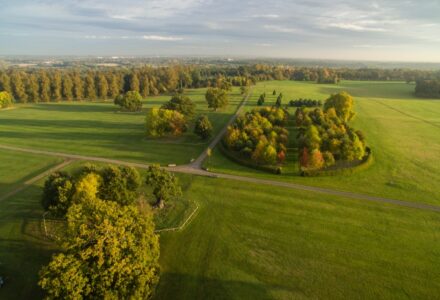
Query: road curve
{"points": [[195, 171]]}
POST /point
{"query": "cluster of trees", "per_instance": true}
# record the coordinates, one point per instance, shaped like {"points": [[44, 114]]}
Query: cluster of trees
{"points": [[110, 250], [259, 135], [325, 136], [130, 101], [261, 99], [305, 103], [428, 88], [5, 99], [44, 84]]}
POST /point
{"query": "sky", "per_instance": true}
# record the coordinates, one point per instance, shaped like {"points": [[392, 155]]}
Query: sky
{"points": [[388, 30]]}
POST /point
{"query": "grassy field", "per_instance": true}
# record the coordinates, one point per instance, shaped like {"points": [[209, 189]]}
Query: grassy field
{"points": [[259, 242], [98, 129], [404, 133], [22, 250]]}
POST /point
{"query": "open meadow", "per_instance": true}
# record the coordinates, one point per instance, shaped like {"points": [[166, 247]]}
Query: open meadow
{"points": [[248, 240], [100, 129], [403, 132]]}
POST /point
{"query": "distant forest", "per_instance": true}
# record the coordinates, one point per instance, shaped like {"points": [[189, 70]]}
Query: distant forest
{"points": [[57, 84]]}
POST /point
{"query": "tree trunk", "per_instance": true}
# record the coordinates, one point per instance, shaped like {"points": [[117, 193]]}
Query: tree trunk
{"points": [[159, 204]]}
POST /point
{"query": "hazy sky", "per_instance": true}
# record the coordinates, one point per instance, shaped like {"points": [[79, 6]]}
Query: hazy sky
{"points": [[339, 29]]}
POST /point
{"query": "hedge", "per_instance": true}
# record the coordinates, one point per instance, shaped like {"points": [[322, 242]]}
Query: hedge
{"points": [[366, 162], [235, 158]]}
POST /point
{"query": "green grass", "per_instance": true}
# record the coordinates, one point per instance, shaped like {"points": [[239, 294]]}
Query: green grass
{"points": [[22, 249], [99, 129], [259, 242], [404, 133]]}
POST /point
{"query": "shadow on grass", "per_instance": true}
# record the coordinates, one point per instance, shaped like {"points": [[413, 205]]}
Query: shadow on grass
{"points": [[183, 286], [75, 107]]}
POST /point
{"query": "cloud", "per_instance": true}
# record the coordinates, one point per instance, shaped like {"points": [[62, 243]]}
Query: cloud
{"points": [[267, 16], [161, 38], [278, 28], [356, 27]]}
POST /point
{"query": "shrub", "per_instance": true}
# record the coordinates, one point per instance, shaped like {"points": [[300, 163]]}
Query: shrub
{"points": [[130, 101], [163, 122]]}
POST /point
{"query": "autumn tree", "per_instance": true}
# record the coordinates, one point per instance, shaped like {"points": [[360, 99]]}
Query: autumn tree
{"points": [[114, 86], [90, 89], [6, 99], [165, 186], [216, 98], [134, 82], [343, 105], [78, 86], [57, 193], [5, 82], [33, 88], [18, 87], [56, 86], [67, 86], [163, 122], [45, 91], [203, 127], [102, 86]]}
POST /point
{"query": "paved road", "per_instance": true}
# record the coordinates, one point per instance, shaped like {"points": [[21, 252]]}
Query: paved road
{"points": [[191, 170], [197, 164]]}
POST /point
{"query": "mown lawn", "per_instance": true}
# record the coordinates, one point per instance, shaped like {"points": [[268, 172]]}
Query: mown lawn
{"points": [[403, 131], [260, 242], [99, 129], [22, 249]]}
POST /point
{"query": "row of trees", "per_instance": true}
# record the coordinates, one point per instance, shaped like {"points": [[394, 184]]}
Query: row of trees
{"points": [[259, 135], [305, 103], [428, 88], [109, 247], [325, 136], [44, 85]]}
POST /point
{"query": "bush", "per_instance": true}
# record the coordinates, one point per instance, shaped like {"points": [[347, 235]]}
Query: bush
{"points": [[182, 104], [203, 127], [5, 100], [130, 101]]}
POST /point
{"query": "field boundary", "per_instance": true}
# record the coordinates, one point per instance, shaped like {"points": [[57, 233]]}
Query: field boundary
{"points": [[183, 225]]}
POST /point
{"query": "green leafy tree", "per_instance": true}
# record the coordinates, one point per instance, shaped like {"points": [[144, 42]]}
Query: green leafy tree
{"points": [[203, 127], [182, 104], [78, 86], [134, 82], [57, 193], [164, 184], [343, 105], [114, 86], [5, 99], [102, 86], [33, 88], [162, 122], [145, 86], [67, 86], [274, 92], [119, 184], [216, 98], [44, 86], [279, 100], [110, 252], [130, 101], [18, 87], [90, 89], [56, 86]]}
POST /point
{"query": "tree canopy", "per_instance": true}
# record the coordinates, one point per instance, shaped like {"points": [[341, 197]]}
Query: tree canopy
{"points": [[342, 103], [164, 184], [5, 100], [182, 104], [130, 101], [216, 98], [203, 127]]}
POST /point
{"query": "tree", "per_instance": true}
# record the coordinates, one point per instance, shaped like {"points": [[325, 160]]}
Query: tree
{"points": [[5, 99], [5, 82], [33, 88], [102, 86], [279, 100], [110, 252], [134, 82], [145, 86], [57, 193], [119, 184], [203, 127], [161, 122], [130, 101], [67, 86], [274, 92], [78, 86], [343, 105], [56, 87], [44, 86], [114, 86], [216, 98], [90, 90], [164, 184], [182, 104], [18, 87]]}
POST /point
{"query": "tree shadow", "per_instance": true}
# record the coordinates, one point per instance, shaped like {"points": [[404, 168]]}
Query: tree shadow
{"points": [[74, 107], [183, 286]]}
